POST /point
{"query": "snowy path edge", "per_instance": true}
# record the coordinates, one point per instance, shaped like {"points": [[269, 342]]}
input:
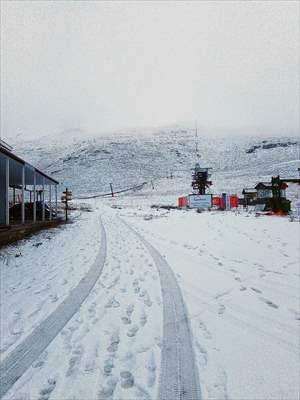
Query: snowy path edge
{"points": [[179, 378], [15, 364]]}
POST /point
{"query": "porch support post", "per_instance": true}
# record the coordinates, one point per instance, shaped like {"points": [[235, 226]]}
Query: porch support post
{"points": [[43, 200], [7, 191], [23, 196], [34, 196], [50, 205], [56, 201]]}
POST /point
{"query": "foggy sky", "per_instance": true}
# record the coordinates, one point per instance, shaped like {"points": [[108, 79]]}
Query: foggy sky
{"points": [[101, 66]]}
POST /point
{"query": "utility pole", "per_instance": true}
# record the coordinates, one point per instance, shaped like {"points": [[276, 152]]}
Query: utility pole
{"points": [[111, 189]]}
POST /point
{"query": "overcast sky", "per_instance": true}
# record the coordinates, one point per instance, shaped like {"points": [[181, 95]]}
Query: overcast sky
{"points": [[104, 66]]}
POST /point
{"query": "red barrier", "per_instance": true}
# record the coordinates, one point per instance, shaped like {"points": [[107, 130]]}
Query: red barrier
{"points": [[219, 202], [216, 201], [234, 201], [182, 201]]}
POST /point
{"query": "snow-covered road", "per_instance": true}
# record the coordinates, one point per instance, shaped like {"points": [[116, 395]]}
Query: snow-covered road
{"points": [[188, 306], [21, 358], [179, 379]]}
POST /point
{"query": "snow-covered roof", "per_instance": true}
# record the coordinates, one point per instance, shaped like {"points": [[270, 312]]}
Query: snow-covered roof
{"points": [[16, 164]]}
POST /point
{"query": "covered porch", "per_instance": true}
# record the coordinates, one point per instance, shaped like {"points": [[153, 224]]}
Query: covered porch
{"points": [[27, 195]]}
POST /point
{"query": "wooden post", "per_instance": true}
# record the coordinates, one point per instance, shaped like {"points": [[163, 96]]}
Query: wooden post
{"points": [[66, 196], [111, 189]]}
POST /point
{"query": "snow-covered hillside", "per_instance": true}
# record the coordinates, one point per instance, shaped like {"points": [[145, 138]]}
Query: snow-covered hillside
{"points": [[89, 165]]}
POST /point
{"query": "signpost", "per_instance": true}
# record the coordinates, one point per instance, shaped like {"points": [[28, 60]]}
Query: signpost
{"points": [[65, 198]]}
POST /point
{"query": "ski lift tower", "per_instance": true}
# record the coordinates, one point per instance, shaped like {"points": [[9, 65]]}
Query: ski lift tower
{"points": [[200, 178]]}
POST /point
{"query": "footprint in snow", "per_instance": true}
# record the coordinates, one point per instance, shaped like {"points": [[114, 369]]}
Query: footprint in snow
{"points": [[47, 390], [113, 347], [132, 331], [127, 379], [147, 302], [126, 320], [53, 298], [221, 309], [129, 309], [151, 368], [206, 333], [143, 293], [256, 290], [112, 302], [143, 318], [268, 302], [75, 360], [108, 366], [107, 390], [41, 360]]}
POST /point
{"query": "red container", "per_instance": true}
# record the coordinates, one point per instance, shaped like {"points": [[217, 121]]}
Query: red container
{"points": [[234, 201], [182, 201], [216, 201], [219, 202]]}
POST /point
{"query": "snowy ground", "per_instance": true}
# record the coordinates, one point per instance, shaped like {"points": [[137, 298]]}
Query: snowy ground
{"points": [[239, 279]]}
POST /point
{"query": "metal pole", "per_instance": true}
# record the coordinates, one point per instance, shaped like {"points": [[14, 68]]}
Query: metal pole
{"points": [[23, 195], [111, 189], [66, 204], [7, 191], [56, 201], [43, 201], [34, 197], [50, 205]]}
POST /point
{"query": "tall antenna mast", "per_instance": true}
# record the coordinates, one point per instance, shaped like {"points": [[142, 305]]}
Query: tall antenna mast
{"points": [[196, 140]]}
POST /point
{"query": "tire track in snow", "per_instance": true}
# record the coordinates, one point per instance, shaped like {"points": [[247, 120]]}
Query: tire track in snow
{"points": [[20, 359], [179, 379]]}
